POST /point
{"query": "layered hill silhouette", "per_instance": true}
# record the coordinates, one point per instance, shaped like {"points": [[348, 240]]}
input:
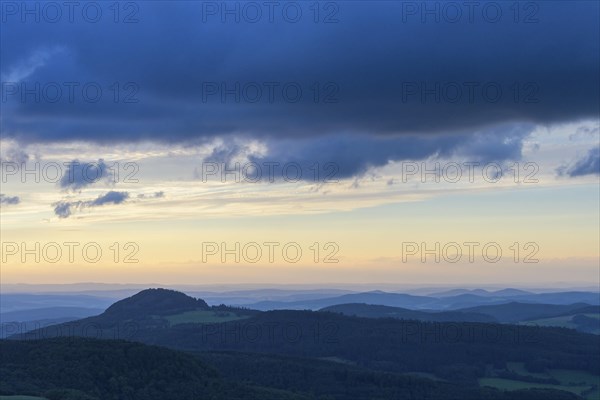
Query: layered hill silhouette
{"points": [[508, 292], [518, 312], [329, 355], [443, 301], [172, 319], [27, 320], [378, 311], [49, 313], [579, 316]]}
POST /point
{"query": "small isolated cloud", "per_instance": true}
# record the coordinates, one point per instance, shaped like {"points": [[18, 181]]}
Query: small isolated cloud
{"points": [[111, 197], [79, 175], [155, 195], [587, 165], [9, 200], [64, 209]]}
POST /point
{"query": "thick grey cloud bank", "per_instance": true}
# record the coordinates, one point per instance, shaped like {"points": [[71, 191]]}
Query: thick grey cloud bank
{"points": [[378, 84], [353, 154]]}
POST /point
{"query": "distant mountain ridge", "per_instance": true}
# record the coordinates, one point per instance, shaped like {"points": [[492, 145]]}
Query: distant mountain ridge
{"points": [[173, 319], [47, 313], [378, 311], [482, 292], [24, 301], [374, 297], [451, 302], [579, 316], [267, 299], [164, 308], [26, 320], [517, 312]]}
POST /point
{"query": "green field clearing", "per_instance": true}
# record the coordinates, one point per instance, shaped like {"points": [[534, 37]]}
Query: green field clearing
{"points": [[568, 377], [571, 381], [519, 368], [426, 375], [563, 322], [508, 384], [21, 398], [338, 360], [202, 317]]}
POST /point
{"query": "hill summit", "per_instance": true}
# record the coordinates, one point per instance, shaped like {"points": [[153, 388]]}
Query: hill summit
{"points": [[155, 302]]}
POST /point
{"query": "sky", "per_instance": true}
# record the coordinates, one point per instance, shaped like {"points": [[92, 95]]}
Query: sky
{"points": [[300, 142]]}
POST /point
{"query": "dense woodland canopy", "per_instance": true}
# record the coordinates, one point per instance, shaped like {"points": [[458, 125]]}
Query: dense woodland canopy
{"points": [[86, 369]]}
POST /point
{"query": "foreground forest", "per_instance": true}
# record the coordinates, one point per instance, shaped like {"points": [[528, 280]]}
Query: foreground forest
{"points": [[86, 369]]}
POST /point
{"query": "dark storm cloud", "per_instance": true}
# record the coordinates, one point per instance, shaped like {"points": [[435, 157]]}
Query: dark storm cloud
{"points": [[9, 200], [64, 209], [373, 72], [378, 85], [587, 165]]}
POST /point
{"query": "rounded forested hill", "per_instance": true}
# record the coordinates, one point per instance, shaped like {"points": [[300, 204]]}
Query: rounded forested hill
{"points": [[156, 301]]}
